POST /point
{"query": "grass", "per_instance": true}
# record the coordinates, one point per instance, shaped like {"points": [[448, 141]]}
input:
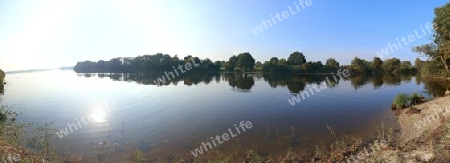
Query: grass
{"points": [[404, 100], [415, 98], [401, 101]]}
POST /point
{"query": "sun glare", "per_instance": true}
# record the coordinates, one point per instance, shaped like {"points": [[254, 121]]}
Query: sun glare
{"points": [[98, 115]]}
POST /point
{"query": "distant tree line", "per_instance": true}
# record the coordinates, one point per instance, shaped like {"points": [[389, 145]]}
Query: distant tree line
{"points": [[145, 63], [377, 66], [295, 63]]}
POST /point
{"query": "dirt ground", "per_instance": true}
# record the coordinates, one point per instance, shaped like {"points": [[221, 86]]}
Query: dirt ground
{"points": [[424, 135]]}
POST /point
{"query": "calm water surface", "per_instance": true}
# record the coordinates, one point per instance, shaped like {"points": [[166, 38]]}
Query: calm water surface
{"points": [[131, 112]]}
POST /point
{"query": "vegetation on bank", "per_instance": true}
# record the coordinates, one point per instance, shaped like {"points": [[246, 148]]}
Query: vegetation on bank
{"points": [[295, 63], [438, 51], [12, 133], [404, 100]]}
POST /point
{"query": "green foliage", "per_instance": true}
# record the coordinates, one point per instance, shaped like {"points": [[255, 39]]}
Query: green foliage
{"points": [[415, 98], [274, 60], [359, 65], [147, 63], [10, 131], [433, 68], [312, 67], [258, 64], [406, 67], [275, 68], [377, 64], [296, 58], [331, 62], [232, 63], [283, 62], [439, 49], [418, 64], [245, 61], [401, 100], [392, 66]]}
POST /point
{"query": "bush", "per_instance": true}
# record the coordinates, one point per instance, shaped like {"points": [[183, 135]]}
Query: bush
{"points": [[415, 98], [401, 101]]}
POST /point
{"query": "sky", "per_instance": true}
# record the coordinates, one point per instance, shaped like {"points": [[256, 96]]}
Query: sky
{"points": [[37, 34]]}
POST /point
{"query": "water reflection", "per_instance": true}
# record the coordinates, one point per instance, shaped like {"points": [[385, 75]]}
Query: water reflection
{"points": [[167, 119], [244, 82], [436, 87], [98, 115], [241, 82]]}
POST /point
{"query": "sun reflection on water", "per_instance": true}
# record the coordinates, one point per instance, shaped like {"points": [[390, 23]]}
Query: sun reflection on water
{"points": [[98, 115]]}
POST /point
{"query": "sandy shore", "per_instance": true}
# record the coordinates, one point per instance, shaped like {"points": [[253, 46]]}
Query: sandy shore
{"points": [[424, 134]]}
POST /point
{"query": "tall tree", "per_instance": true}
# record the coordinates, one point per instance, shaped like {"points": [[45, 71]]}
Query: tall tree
{"points": [[360, 65], [406, 67], [377, 64], [418, 64], [245, 61], [274, 60], [296, 58], [232, 62], [392, 65], [283, 62], [331, 62], [440, 48]]}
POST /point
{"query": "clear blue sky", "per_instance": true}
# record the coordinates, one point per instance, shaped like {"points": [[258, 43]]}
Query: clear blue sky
{"points": [[49, 34]]}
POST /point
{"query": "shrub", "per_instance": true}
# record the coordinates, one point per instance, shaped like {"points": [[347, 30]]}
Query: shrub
{"points": [[415, 98], [401, 101]]}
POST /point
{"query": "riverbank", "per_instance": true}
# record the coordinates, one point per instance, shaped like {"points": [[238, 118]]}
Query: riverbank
{"points": [[424, 134], [9, 153]]}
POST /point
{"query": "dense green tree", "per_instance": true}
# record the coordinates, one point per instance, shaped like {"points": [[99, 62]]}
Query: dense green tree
{"points": [[258, 64], [377, 64], [392, 65], [245, 61], [274, 60], [360, 65], [432, 68], [312, 66], [331, 62], [232, 63], [283, 62], [418, 64], [275, 68], [296, 58], [406, 67]]}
